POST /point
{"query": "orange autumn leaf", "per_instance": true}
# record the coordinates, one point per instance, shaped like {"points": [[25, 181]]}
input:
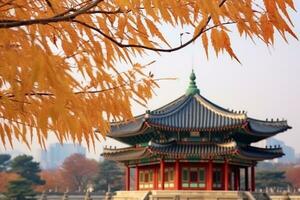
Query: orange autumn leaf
{"points": [[205, 43], [227, 45], [62, 61]]}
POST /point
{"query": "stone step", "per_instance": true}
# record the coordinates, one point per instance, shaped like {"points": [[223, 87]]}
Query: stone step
{"points": [[131, 195], [196, 195], [260, 196], [188, 195]]}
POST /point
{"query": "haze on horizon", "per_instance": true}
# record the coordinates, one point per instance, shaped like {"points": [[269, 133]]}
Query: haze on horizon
{"points": [[266, 84]]}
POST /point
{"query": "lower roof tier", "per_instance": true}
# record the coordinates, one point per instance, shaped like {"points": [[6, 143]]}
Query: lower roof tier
{"points": [[188, 150]]}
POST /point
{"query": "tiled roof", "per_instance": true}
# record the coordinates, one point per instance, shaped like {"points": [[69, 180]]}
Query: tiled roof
{"points": [[125, 154], [184, 150], [187, 149], [196, 113], [185, 113], [267, 127]]}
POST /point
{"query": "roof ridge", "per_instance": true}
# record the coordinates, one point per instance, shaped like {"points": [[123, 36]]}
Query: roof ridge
{"points": [[218, 109], [176, 101], [173, 110]]}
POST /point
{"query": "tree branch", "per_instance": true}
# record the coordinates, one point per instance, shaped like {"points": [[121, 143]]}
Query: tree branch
{"points": [[71, 17], [146, 47], [85, 92], [142, 46], [58, 18]]}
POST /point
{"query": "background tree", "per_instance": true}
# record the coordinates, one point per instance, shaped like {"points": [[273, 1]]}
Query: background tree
{"points": [[27, 171], [20, 190], [110, 175], [77, 171], [271, 179], [71, 77], [4, 160], [293, 175], [54, 182], [5, 176]]}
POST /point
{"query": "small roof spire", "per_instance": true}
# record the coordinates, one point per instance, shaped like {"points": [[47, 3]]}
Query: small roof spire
{"points": [[192, 89]]}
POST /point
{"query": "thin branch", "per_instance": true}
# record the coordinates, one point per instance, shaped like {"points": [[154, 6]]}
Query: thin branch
{"points": [[155, 49], [217, 25], [69, 17], [118, 11], [146, 47], [72, 9], [142, 46], [86, 92]]}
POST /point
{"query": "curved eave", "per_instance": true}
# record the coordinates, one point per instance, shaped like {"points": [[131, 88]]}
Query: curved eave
{"points": [[183, 150], [265, 129], [125, 129], [143, 136], [137, 126], [213, 151], [126, 154], [259, 154]]}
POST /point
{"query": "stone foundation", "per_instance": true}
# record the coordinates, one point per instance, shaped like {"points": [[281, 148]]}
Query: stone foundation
{"points": [[183, 195], [200, 195]]}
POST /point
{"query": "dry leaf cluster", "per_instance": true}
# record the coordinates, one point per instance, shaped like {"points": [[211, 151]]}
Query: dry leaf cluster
{"points": [[59, 66]]}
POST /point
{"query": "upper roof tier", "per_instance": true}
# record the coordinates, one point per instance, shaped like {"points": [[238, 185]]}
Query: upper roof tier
{"points": [[193, 112]]}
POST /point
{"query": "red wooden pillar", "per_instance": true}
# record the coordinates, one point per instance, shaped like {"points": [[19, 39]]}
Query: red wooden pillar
{"points": [[252, 178], [156, 171], [137, 178], [239, 178], [246, 179], [230, 172], [162, 174], [127, 178], [236, 178], [210, 175], [177, 175], [225, 175]]}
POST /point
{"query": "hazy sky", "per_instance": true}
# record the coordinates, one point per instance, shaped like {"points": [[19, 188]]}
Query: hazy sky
{"points": [[266, 85]]}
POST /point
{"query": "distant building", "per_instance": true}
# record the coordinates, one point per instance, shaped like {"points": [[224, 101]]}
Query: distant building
{"points": [[290, 155], [289, 152], [56, 153]]}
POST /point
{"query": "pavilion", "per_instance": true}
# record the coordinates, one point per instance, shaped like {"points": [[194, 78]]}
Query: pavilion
{"points": [[193, 144]]}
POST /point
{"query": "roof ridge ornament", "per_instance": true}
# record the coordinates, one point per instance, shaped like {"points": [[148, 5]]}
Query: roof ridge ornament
{"points": [[192, 89]]}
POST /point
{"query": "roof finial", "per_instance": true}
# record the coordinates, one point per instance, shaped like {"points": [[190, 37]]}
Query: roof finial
{"points": [[192, 89]]}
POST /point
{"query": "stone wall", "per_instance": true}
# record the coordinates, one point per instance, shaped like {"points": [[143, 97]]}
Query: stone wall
{"points": [[200, 195], [284, 196], [172, 195], [65, 197]]}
